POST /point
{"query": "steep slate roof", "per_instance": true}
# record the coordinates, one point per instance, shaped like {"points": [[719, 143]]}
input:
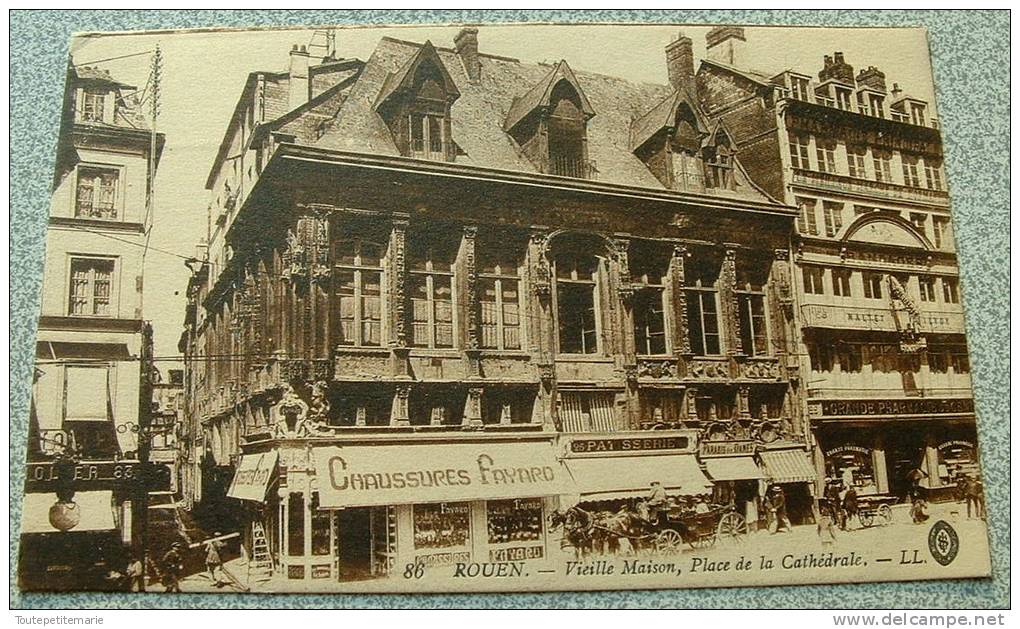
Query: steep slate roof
{"points": [[479, 114], [129, 113], [663, 116], [542, 92]]}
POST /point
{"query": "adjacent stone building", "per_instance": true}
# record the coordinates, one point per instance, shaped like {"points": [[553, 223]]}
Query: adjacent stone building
{"points": [[880, 324], [89, 396]]}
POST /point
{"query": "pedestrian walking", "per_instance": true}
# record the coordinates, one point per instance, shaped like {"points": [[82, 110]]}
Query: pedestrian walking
{"points": [[834, 499], [173, 568], [826, 521], [850, 506], [136, 574], [213, 560], [975, 498], [777, 509]]}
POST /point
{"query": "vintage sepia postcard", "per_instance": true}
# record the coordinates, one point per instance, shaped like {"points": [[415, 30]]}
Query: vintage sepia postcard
{"points": [[500, 308]]}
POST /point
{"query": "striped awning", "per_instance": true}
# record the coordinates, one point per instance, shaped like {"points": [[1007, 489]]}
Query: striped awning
{"points": [[788, 466], [733, 468]]}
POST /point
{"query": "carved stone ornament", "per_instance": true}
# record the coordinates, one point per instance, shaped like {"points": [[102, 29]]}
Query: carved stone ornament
{"points": [[291, 413]]}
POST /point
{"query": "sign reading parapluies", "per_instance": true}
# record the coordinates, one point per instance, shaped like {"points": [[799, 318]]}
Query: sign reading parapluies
{"points": [[254, 472]]}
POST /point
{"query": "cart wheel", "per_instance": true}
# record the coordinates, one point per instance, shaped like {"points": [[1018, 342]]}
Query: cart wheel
{"points": [[885, 512], [668, 542], [867, 518], [732, 528], [703, 541]]}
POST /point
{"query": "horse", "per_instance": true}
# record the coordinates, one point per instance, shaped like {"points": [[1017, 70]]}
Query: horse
{"points": [[578, 529], [631, 523]]}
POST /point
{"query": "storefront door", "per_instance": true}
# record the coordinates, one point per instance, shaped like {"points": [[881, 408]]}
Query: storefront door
{"points": [[354, 536]]}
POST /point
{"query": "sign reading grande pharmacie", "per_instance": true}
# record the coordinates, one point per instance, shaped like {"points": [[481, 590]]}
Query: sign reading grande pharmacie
{"points": [[364, 475], [918, 406]]}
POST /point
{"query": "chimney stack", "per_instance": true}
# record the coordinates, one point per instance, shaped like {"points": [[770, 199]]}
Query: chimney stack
{"points": [[726, 45], [896, 91], [466, 43], [872, 78], [680, 61], [299, 83], [835, 67]]}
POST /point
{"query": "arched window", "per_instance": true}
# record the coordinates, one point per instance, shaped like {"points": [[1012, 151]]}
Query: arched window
{"points": [[577, 302], [357, 289]]}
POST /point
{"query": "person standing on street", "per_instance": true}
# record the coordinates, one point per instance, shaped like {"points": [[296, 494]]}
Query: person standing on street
{"points": [[974, 497], [136, 574], [173, 568]]}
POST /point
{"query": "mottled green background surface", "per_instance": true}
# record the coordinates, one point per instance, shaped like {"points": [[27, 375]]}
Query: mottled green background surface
{"points": [[971, 61]]}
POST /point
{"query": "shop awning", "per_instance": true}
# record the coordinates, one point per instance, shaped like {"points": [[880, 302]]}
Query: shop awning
{"points": [[94, 512], [365, 475], [612, 478], [254, 472], [788, 466], [733, 468]]}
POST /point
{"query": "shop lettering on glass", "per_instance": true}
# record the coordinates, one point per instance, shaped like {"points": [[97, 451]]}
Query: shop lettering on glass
{"points": [[579, 446], [488, 472]]}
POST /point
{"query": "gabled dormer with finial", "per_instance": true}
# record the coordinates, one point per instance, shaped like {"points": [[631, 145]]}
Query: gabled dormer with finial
{"points": [[415, 103], [668, 139], [550, 123]]}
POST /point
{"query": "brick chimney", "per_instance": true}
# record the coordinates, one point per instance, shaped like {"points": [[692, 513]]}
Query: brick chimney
{"points": [[726, 45], [836, 68], [680, 61], [873, 78], [466, 43], [299, 84], [896, 91]]}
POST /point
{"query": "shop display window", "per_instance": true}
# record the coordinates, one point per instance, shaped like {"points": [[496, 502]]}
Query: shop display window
{"points": [[852, 465], [442, 526], [320, 528], [296, 525], [514, 520], [957, 458]]}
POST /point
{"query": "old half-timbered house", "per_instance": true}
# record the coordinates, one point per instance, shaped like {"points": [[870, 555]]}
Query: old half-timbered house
{"points": [[446, 291]]}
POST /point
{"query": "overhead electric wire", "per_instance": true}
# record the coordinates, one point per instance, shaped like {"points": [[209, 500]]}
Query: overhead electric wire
{"points": [[134, 54]]}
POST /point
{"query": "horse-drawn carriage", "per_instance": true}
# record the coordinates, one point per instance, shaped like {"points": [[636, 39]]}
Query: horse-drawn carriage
{"points": [[875, 509], [665, 532]]}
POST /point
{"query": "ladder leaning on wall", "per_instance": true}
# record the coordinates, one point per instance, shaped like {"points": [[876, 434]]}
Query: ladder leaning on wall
{"points": [[260, 565]]}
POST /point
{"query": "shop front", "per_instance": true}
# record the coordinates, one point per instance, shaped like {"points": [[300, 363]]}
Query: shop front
{"points": [[736, 477], [368, 510], [888, 446], [792, 470], [607, 472]]}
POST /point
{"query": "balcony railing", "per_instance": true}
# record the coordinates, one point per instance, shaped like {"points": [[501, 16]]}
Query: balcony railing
{"points": [[570, 167], [432, 150]]}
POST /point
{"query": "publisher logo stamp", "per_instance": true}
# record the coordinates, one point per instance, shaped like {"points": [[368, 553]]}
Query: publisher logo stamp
{"points": [[943, 542]]}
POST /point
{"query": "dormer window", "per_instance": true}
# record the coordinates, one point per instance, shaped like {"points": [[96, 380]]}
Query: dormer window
{"points": [[93, 105], [566, 131], [415, 104], [875, 102], [549, 123], [917, 114], [719, 164], [800, 88], [427, 139], [843, 98]]}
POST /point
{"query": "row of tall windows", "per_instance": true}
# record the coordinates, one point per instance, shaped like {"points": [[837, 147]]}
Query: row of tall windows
{"points": [[915, 175], [360, 289], [873, 284]]}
